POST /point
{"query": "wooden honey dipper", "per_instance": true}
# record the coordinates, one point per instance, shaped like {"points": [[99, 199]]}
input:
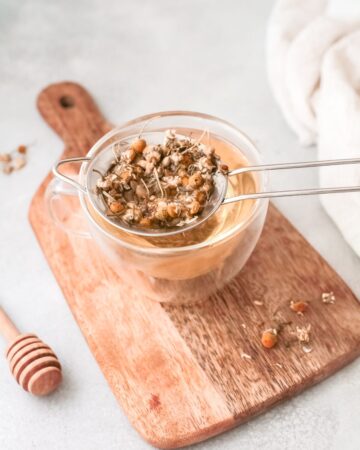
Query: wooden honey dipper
{"points": [[33, 364]]}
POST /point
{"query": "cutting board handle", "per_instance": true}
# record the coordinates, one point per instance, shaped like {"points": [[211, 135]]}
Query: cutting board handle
{"points": [[69, 109]]}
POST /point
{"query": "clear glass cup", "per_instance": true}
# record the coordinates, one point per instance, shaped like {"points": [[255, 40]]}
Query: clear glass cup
{"points": [[195, 264]]}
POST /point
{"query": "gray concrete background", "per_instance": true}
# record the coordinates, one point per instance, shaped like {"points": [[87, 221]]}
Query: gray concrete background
{"points": [[138, 57]]}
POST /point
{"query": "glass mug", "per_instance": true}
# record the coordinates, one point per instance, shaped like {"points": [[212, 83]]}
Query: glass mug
{"points": [[190, 266]]}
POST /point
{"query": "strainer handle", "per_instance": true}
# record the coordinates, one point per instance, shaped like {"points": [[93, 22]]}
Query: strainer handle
{"points": [[67, 179], [294, 192]]}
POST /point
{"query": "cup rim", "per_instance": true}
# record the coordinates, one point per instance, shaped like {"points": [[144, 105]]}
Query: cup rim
{"points": [[259, 204]]}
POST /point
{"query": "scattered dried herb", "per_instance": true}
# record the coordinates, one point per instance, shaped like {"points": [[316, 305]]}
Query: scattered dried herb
{"points": [[13, 161], [160, 186], [299, 307], [22, 149], [5, 157], [7, 169], [269, 338], [303, 336], [18, 163], [258, 303], [307, 348], [328, 298]]}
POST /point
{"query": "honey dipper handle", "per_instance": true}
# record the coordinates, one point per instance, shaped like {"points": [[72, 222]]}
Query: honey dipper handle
{"points": [[7, 328]]}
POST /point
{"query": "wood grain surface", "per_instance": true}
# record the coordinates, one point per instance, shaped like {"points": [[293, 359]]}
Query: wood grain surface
{"points": [[181, 372]]}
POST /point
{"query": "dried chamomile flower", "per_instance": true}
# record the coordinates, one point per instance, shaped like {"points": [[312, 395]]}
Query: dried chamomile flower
{"points": [[22, 149], [138, 145], [159, 185], [269, 338], [299, 307]]}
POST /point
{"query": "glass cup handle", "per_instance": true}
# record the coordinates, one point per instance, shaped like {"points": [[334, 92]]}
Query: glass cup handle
{"points": [[67, 179], [56, 191]]}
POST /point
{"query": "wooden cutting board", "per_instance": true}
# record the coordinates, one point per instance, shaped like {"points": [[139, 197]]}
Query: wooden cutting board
{"points": [[179, 372]]}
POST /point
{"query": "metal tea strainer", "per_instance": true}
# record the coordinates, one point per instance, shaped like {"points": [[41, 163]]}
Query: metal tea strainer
{"points": [[91, 167]]}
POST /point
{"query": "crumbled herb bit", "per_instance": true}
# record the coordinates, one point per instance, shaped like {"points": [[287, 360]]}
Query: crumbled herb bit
{"points": [[299, 307], [7, 169], [303, 334], [5, 157], [246, 356], [18, 163], [159, 186], [328, 298], [307, 348], [258, 303], [280, 324], [269, 338]]}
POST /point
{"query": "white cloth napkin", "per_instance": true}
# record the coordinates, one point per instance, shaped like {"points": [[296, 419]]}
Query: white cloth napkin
{"points": [[313, 65]]}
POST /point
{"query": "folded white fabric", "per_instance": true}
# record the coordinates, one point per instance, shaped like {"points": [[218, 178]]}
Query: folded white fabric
{"points": [[313, 65]]}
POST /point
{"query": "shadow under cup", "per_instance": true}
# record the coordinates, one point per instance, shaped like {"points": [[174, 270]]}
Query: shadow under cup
{"points": [[190, 266]]}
